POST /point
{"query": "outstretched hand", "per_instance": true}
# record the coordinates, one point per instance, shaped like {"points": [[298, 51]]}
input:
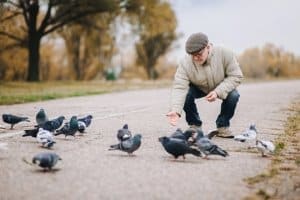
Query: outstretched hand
{"points": [[173, 118]]}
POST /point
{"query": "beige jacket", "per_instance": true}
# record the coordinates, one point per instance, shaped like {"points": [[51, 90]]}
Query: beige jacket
{"points": [[220, 73]]}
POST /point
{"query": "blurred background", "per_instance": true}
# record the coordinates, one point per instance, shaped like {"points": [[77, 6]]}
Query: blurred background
{"points": [[51, 40]]}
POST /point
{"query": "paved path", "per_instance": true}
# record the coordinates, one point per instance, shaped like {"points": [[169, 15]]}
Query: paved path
{"points": [[89, 171]]}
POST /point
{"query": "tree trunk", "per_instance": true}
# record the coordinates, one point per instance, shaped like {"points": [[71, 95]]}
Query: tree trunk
{"points": [[34, 57], [152, 73]]}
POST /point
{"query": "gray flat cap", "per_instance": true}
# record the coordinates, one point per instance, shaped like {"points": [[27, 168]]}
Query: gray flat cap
{"points": [[196, 42]]}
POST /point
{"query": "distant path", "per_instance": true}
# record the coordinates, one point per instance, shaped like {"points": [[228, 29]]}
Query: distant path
{"points": [[89, 171]]}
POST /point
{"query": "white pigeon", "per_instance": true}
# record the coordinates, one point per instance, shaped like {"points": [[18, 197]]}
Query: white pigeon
{"points": [[247, 135], [45, 137], [3, 146], [265, 146]]}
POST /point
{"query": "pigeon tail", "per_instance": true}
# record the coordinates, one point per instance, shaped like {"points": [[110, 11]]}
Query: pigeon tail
{"points": [[31, 132], [58, 133], [218, 151], [114, 147], [194, 152]]}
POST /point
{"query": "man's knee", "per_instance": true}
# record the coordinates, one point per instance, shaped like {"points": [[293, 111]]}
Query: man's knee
{"points": [[233, 96]]}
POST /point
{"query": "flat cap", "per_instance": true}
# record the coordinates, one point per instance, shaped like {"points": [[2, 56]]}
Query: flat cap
{"points": [[196, 42]]}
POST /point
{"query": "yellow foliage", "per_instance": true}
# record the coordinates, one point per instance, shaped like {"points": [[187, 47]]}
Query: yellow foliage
{"points": [[269, 61]]}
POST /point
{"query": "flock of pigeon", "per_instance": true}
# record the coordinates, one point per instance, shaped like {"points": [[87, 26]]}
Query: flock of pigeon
{"points": [[180, 143]]}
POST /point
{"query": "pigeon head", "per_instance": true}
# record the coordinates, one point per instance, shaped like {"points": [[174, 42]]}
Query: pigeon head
{"points": [[189, 133], [252, 127], [163, 139], [125, 126], [200, 134]]}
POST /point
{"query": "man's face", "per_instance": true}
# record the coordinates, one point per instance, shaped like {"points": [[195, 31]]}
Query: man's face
{"points": [[201, 56]]}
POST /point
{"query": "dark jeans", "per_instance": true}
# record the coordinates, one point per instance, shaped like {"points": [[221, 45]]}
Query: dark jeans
{"points": [[227, 107]]}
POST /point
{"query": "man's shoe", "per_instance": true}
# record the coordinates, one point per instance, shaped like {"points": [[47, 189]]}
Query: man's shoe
{"points": [[194, 127], [224, 132]]}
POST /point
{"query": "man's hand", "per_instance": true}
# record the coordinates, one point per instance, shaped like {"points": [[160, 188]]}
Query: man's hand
{"points": [[173, 118], [212, 96]]}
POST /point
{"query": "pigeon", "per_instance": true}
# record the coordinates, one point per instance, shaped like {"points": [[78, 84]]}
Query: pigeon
{"points": [[265, 146], [207, 147], [70, 128], [177, 147], [87, 120], [248, 135], [54, 124], [46, 160], [81, 126], [45, 137], [31, 132], [186, 135], [3, 146], [41, 117], [130, 145], [51, 126], [124, 133], [13, 119]]}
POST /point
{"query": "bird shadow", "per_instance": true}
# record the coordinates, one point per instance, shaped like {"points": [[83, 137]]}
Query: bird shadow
{"points": [[180, 160], [42, 171], [123, 155]]}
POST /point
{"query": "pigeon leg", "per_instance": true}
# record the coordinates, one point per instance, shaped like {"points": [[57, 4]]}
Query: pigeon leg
{"points": [[205, 157], [183, 156], [11, 127]]}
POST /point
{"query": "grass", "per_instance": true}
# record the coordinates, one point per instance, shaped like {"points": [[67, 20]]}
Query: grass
{"points": [[285, 163], [22, 92]]}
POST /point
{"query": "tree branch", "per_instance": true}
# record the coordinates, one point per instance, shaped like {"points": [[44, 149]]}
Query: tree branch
{"points": [[11, 16], [46, 18], [68, 20], [11, 36]]}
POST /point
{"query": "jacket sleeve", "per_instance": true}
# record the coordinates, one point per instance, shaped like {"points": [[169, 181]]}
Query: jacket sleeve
{"points": [[179, 90], [233, 75]]}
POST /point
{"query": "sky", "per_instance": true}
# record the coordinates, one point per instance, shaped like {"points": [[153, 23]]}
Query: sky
{"points": [[240, 24]]}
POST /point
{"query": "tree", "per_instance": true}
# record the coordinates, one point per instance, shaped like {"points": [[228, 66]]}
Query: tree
{"points": [[38, 23], [86, 41], [157, 24]]}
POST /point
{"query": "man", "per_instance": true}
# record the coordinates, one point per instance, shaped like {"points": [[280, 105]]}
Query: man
{"points": [[209, 72]]}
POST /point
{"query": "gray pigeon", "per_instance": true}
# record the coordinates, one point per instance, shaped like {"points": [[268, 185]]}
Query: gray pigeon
{"points": [[124, 133], [46, 160], [13, 119], [186, 135], [87, 120], [41, 117], [177, 147], [81, 126], [248, 135], [130, 145], [207, 147], [50, 125], [70, 128]]}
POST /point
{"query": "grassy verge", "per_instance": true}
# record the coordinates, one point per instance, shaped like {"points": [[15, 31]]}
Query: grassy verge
{"points": [[282, 179], [22, 92]]}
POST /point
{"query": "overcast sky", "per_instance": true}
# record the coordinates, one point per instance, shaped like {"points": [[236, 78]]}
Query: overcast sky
{"points": [[241, 24]]}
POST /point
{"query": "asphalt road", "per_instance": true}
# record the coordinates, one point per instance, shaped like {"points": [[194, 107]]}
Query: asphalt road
{"points": [[89, 171]]}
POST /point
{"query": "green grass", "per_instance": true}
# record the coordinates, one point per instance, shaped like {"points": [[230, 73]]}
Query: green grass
{"points": [[22, 92]]}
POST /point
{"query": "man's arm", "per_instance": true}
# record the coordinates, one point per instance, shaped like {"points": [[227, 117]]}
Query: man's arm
{"points": [[233, 75], [178, 95]]}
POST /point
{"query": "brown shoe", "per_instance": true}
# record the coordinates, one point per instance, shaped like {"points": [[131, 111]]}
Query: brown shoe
{"points": [[194, 127], [224, 132]]}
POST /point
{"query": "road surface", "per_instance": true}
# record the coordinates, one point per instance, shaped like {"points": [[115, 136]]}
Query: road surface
{"points": [[89, 171]]}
